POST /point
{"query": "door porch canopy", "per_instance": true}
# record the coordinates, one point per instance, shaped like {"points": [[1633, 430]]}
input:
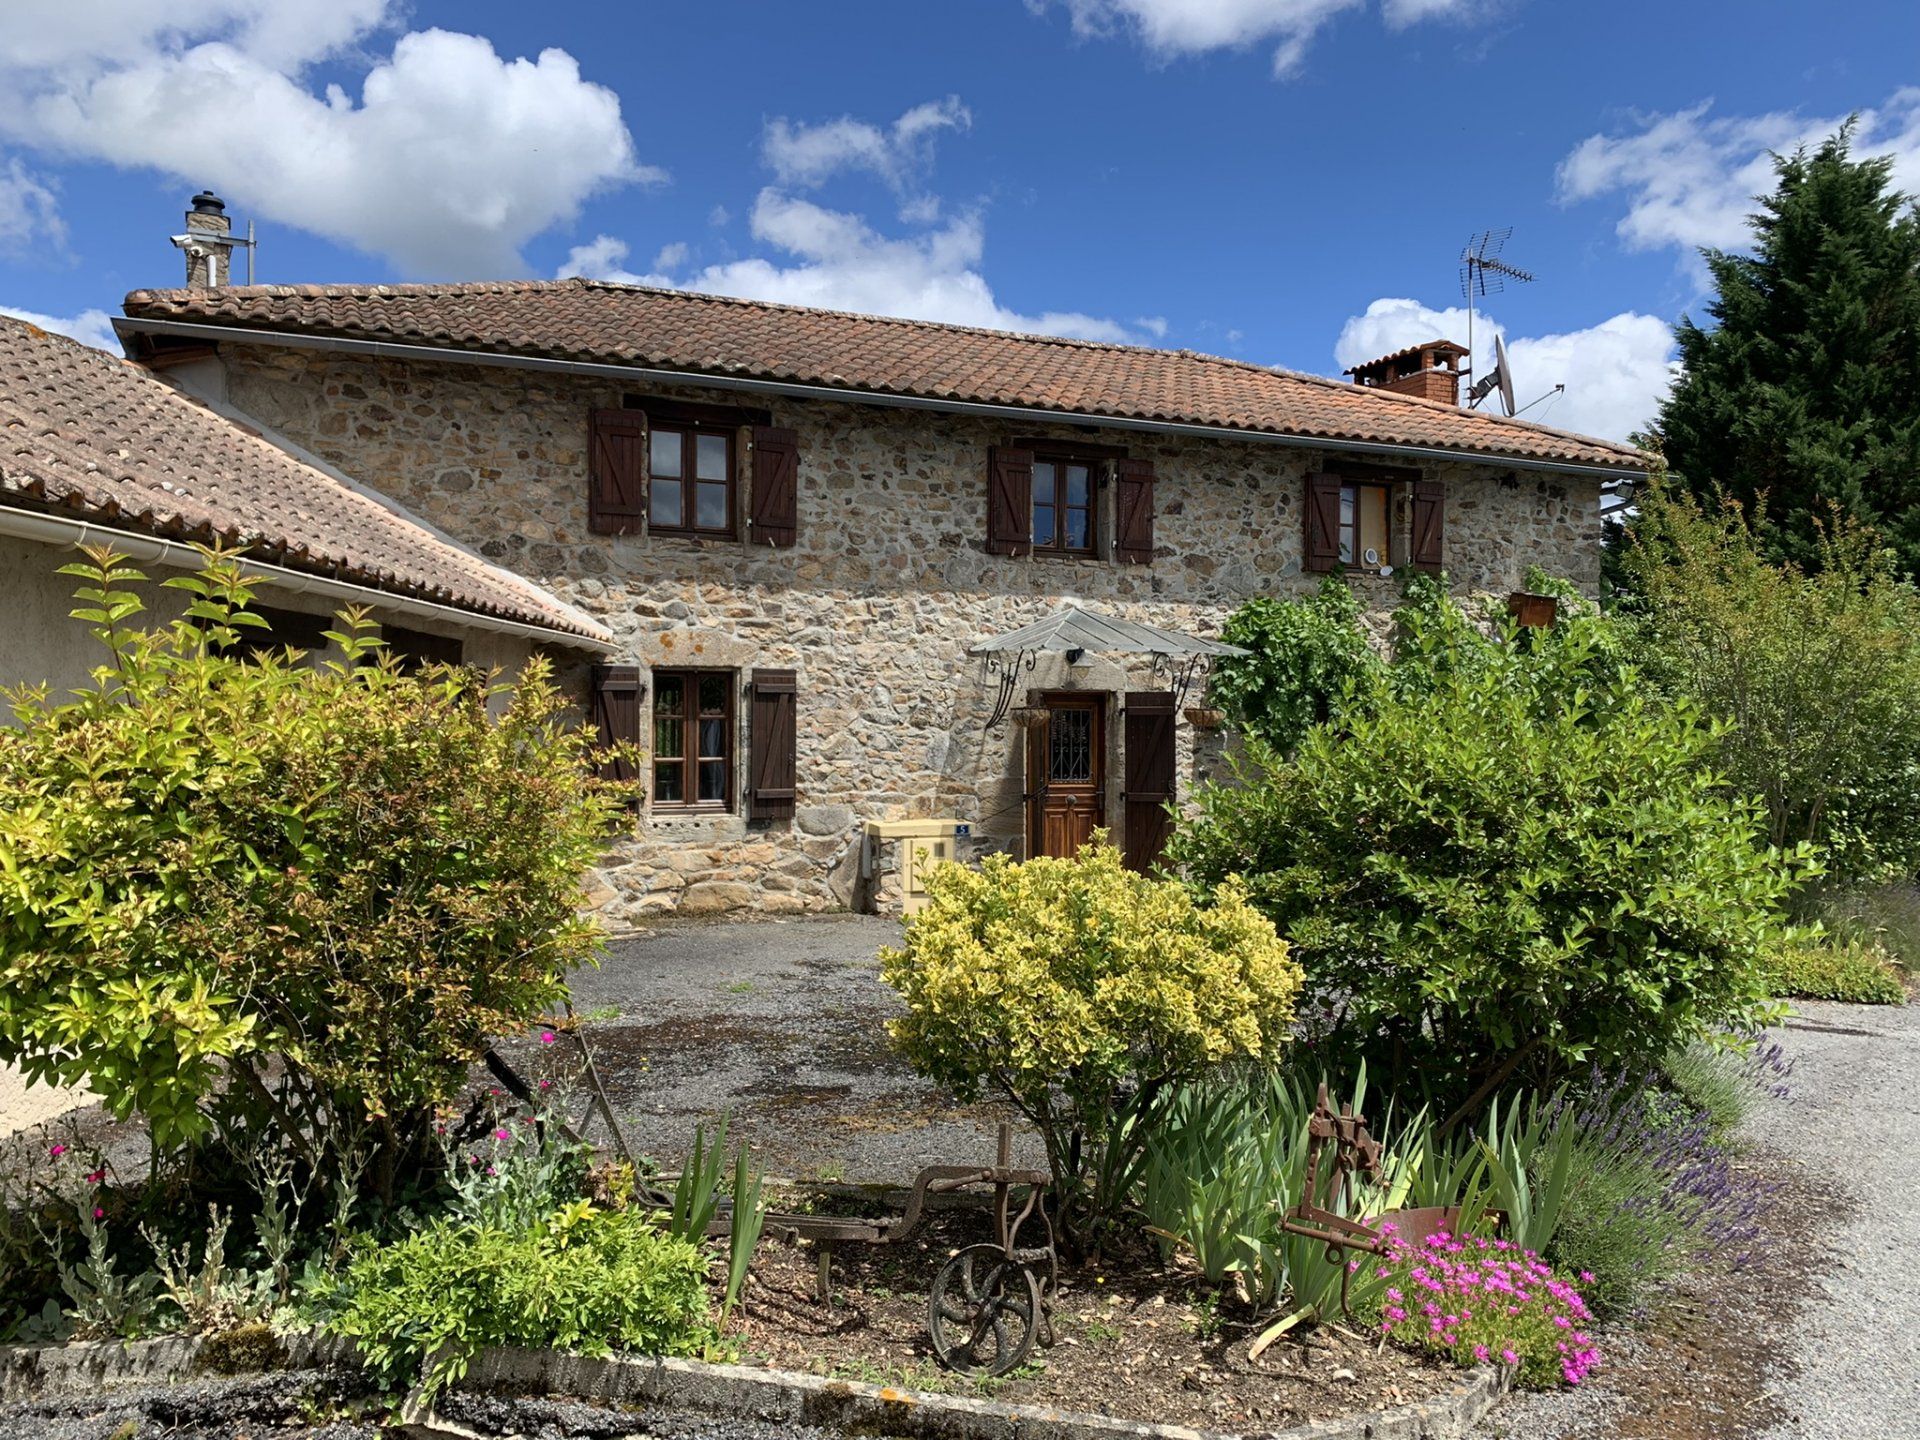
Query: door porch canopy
{"points": [[1074, 631]]}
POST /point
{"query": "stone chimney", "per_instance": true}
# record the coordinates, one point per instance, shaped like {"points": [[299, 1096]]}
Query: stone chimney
{"points": [[1430, 370], [208, 243]]}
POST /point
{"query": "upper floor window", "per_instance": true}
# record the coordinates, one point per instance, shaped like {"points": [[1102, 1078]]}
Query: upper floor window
{"points": [[1063, 491], [690, 480]]}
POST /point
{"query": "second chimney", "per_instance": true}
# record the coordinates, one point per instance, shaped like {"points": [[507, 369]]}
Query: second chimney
{"points": [[1431, 371]]}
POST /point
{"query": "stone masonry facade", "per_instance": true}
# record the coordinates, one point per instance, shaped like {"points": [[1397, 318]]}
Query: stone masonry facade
{"points": [[876, 605]]}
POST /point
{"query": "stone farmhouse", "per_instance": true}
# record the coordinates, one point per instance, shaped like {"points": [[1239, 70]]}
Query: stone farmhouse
{"points": [[798, 528]]}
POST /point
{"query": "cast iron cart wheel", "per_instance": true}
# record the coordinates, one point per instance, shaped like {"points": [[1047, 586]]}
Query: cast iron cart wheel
{"points": [[984, 1312]]}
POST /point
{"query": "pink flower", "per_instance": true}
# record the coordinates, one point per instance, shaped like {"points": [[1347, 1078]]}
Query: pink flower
{"points": [[1509, 1357], [98, 1213], [94, 1177], [54, 1152], [546, 1037], [499, 1135], [546, 1084], [1479, 1352]]}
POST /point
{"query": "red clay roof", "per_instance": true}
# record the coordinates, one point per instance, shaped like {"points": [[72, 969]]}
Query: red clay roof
{"points": [[594, 321], [85, 432]]}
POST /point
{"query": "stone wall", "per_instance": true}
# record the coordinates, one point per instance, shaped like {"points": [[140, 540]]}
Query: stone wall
{"points": [[876, 605]]}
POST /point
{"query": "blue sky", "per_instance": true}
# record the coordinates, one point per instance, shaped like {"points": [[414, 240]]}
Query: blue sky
{"points": [[1287, 181]]}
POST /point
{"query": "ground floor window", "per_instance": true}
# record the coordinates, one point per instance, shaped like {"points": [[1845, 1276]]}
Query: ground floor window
{"points": [[1366, 526], [692, 739]]}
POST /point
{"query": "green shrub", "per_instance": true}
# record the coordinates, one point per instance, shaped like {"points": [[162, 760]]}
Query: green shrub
{"points": [[1521, 866], [582, 1279], [1814, 673], [1307, 657], [1818, 967], [1079, 991], [307, 893]]}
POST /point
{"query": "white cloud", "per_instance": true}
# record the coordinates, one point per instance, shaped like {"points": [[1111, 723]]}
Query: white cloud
{"points": [[89, 327], [1616, 372], [450, 160], [804, 156], [29, 212], [1690, 177], [1170, 29], [605, 258], [837, 261]]}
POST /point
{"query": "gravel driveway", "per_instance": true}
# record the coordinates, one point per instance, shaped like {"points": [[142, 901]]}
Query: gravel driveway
{"points": [[1853, 1114], [781, 1024]]}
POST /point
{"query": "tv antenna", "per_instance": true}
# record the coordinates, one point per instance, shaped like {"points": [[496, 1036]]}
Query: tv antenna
{"points": [[1484, 273]]}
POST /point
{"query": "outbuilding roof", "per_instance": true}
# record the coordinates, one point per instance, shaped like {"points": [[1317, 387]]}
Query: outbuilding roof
{"points": [[626, 325], [85, 434]]}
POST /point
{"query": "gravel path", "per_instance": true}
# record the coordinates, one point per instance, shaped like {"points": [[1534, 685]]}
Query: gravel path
{"points": [[780, 1024], [1853, 1115]]}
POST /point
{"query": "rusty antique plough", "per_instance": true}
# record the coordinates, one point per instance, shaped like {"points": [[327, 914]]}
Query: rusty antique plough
{"points": [[1327, 1204]]}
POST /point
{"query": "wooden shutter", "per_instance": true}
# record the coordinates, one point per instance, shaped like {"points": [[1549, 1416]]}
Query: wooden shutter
{"points": [[774, 513], [1133, 512], [1147, 742], [770, 729], [1322, 550], [1429, 524], [616, 716], [617, 470], [1009, 501]]}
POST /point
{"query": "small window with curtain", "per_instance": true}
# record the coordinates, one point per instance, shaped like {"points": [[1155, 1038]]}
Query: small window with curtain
{"points": [[1063, 503], [1366, 526], [693, 739], [690, 480]]}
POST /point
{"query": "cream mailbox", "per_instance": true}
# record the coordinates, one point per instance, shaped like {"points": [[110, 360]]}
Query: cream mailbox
{"points": [[922, 845]]}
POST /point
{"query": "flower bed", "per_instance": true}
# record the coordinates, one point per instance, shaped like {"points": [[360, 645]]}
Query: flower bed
{"points": [[1478, 1300]]}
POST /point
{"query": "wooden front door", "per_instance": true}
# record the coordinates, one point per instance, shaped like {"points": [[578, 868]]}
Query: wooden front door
{"points": [[1066, 774]]}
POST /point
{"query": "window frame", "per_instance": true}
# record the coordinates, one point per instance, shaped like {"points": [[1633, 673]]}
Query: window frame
{"points": [[1060, 457], [690, 759], [1350, 489], [690, 431]]}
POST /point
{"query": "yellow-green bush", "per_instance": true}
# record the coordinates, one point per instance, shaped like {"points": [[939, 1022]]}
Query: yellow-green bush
{"points": [[1078, 990], [1822, 968]]}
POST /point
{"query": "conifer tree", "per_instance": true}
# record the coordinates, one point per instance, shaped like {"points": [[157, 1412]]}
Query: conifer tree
{"points": [[1807, 387]]}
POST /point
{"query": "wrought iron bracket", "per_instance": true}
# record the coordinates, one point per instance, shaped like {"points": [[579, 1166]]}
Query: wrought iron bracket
{"points": [[1007, 669], [1178, 674]]}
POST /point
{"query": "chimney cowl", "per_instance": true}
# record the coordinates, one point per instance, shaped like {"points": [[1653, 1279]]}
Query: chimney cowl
{"points": [[208, 203]]}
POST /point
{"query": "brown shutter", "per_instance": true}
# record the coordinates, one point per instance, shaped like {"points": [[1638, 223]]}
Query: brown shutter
{"points": [[1429, 524], [1322, 550], [771, 744], [1147, 753], [774, 516], [1133, 512], [616, 715], [1009, 501], [617, 469]]}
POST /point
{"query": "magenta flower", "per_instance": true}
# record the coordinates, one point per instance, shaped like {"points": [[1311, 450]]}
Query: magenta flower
{"points": [[546, 1037], [54, 1152]]}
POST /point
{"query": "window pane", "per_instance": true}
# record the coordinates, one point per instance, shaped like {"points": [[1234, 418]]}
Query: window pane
{"points": [[713, 694], [1042, 483], [713, 739], [710, 457], [1076, 485], [1372, 525], [1076, 536], [669, 783], [1346, 526], [1043, 525], [712, 514], [713, 780], [669, 736], [1070, 746], [666, 452], [666, 507]]}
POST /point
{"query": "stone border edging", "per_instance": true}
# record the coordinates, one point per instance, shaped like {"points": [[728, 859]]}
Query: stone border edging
{"points": [[91, 1366], [781, 1395]]}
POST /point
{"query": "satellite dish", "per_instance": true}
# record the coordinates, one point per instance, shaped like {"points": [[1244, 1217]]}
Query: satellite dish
{"points": [[1504, 371]]}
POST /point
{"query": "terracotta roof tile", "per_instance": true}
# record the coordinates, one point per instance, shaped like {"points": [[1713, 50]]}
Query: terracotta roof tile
{"points": [[670, 329], [82, 431]]}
